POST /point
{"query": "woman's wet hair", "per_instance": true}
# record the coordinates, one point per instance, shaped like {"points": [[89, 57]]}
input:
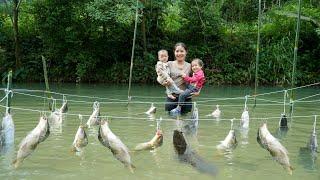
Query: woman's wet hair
{"points": [[199, 61], [180, 44]]}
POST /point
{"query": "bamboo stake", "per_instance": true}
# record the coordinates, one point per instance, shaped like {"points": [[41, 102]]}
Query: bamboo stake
{"points": [[295, 57], [132, 52], [257, 55], [9, 92], [45, 73]]}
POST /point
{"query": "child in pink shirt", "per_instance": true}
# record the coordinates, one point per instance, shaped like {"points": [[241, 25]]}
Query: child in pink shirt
{"points": [[195, 83]]}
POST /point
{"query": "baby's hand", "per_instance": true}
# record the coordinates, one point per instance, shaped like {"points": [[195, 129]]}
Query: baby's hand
{"points": [[183, 75], [166, 83]]}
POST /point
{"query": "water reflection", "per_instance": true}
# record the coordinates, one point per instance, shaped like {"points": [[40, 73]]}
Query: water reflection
{"points": [[244, 136], [7, 155], [308, 158]]}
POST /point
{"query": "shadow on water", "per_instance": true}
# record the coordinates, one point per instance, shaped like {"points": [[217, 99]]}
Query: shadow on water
{"points": [[244, 136], [281, 132], [308, 158], [6, 156], [187, 155]]}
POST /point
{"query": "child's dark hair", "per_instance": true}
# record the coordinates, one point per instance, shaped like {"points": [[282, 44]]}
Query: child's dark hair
{"points": [[180, 44], [200, 62]]}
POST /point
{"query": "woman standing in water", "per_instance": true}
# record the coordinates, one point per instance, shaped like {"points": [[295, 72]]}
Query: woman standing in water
{"points": [[177, 67]]}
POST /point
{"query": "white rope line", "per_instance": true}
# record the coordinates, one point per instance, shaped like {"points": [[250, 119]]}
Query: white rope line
{"points": [[307, 97], [267, 100], [237, 105], [268, 93], [160, 103], [208, 99], [318, 100], [133, 102], [4, 98], [145, 118]]}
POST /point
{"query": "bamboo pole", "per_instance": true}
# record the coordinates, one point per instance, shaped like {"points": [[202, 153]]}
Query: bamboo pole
{"points": [[9, 92], [257, 55], [295, 57], [132, 51], [45, 73]]}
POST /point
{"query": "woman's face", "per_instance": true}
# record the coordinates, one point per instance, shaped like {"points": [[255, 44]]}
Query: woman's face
{"points": [[180, 53]]}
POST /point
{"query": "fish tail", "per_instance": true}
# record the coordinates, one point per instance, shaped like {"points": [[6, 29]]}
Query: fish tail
{"points": [[131, 167], [73, 149], [16, 163], [290, 169]]}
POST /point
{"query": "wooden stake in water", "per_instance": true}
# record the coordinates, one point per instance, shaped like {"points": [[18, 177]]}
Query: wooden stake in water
{"points": [[295, 55], [132, 52], [45, 73], [9, 92], [257, 55]]}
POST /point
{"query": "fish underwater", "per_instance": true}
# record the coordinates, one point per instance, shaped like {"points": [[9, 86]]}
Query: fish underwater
{"points": [[94, 119], [154, 143], [275, 148], [188, 156], [80, 139], [119, 150], [230, 142], [152, 110], [39, 134]]}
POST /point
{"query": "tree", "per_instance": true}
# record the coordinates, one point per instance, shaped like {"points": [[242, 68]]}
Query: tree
{"points": [[15, 26]]}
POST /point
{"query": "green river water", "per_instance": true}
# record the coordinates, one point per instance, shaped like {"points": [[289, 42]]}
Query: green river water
{"points": [[248, 161]]}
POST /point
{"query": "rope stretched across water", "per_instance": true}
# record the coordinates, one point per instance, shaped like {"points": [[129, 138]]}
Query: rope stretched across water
{"points": [[133, 102], [145, 118], [151, 97]]}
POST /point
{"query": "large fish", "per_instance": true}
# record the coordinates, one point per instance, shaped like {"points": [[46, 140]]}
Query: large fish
{"points": [[216, 113], [308, 155], [191, 127], [31, 141], [56, 118], [7, 131], [80, 139], [186, 155], [276, 149], [244, 123], [57, 115], [155, 142], [94, 119], [230, 142], [313, 142], [111, 141], [151, 110], [64, 108]]}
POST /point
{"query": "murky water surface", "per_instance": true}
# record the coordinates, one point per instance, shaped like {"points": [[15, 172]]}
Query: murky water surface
{"points": [[53, 160]]}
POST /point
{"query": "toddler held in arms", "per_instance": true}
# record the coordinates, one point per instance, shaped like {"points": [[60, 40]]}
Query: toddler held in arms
{"points": [[163, 73], [195, 83]]}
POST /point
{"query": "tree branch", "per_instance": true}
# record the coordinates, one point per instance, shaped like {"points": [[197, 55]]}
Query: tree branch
{"points": [[7, 7], [18, 6], [293, 15]]}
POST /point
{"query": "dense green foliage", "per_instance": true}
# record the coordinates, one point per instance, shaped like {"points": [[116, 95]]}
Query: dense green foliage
{"points": [[91, 40]]}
